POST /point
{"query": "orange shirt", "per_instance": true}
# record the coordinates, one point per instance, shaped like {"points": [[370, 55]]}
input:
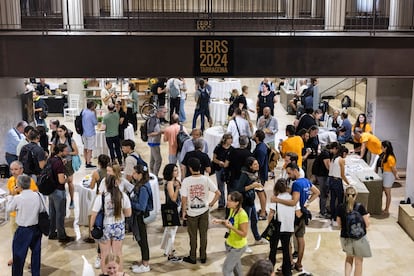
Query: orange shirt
{"points": [[293, 144], [373, 144], [391, 162], [170, 136], [12, 182], [368, 127]]}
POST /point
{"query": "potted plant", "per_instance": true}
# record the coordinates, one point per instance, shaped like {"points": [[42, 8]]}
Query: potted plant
{"points": [[85, 83], [100, 119]]}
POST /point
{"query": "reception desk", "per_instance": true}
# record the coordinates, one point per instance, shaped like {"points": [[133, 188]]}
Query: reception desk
{"points": [[55, 104], [286, 96]]}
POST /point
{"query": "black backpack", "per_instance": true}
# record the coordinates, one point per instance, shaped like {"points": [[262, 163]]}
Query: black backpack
{"points": [[47, 181], [29, 160], [346, 101], [78, 123], [355, 224], [143, 129], [204, 99], [181, 138]]}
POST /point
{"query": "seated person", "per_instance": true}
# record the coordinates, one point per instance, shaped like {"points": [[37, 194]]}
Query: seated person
{"points": [[334, 120]]}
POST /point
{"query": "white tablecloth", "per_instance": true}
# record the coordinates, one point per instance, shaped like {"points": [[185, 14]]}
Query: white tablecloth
{"points": [[213, 136], [100, 144], [218, 111], [129, 133], [222, 89]]}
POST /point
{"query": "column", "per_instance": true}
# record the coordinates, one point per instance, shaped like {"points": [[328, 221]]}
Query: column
{"points": [[317, 8], [117, 8], [401, 13], [409, 183], [334, 15], [56, 6], [292, 8], [92, 8], [72, 14], [11, 104], [10, 15]]}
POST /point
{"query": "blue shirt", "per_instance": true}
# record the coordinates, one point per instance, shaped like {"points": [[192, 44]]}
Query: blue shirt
{"points": [[260, 153], [302, 186], [348, 129], [89, 121], [13, 138]]}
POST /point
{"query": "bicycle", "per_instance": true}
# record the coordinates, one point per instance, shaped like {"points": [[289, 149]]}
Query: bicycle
{"points": [[148, 108]]}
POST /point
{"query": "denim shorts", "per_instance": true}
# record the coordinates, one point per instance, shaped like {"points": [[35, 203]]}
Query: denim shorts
{"points": [[115, 232]]}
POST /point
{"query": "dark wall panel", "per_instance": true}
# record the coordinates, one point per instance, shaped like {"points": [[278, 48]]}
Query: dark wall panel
{"points": [[142, 56]]}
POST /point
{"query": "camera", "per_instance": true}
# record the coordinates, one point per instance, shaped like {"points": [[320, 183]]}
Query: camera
{"points": [[226, 235]]}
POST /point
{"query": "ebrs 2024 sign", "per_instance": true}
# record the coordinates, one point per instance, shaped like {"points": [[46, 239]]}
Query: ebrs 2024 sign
{"points": [[213, 57]]}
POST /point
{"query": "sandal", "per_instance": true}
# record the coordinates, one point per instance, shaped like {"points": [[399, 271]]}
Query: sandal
{"points": [[298, 267]]}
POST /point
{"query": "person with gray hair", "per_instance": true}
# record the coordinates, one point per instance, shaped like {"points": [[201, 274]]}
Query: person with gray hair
{"points": [[12, 139], [28, 205], [198, 154]]}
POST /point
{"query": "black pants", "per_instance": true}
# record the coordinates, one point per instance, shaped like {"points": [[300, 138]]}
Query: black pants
{"points": [[114, 145], [143, 242], [174, 106], [284, 238], [132, 118]]}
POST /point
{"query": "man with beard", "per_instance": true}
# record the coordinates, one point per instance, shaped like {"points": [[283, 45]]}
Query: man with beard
{"points": [[269, 125]]}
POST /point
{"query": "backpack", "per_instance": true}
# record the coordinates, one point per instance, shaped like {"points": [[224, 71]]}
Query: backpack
{"points": [[143, 129], [324, 107], [79, 124], [273, 156], [181, 138], [174, 91], [139, 160], [29, 160], [46, 181], [45, 111], [355, 224], [346, 101], [204, 99], [149, 214]]}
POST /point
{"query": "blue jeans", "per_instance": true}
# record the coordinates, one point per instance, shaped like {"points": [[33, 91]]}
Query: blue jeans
{"points": [[221, 184], [57, 213], [182, 116], [203, 113], [25, 238], [252, 214], [337, 193]]}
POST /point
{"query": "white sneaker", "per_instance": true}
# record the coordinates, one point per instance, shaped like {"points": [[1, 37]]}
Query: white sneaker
{"points": [[261, 241], [141, 269], [135, 266], [97, 263], [249, 250]]}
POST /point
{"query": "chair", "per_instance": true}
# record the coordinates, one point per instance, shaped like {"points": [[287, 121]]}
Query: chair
{"points": [[73, 110]]}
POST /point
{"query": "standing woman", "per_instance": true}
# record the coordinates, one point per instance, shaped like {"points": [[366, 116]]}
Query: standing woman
{"points": [[141, 201], [63, 137], [172, 197], [236, 242], [116, 207], [355, 249], [389, 172], [132, 106], [219, 157]]}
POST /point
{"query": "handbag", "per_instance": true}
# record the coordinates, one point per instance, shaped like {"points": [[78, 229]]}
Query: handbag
{"points": [[98, 226], [249, 197], [170, 215], [272, 229], [43, 220]]}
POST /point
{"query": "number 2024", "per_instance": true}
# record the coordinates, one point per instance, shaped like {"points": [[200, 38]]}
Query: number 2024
{"points": [[216, 60]]}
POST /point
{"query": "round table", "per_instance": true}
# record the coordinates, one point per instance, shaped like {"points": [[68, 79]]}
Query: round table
{"points": [[218, 111], [222, 89], [100, 144], [213, 137]]}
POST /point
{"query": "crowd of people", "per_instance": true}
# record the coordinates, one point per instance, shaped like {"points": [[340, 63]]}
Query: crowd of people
{"points": [[240, 163]]}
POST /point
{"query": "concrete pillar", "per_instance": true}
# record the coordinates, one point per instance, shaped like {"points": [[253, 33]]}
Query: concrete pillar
{"points": [[117, 8], [11, 108], [334, 15], [56, 6], [409, 183], [401, 13], [292, 8], [92, 8], [10, 15], [72, 14], [317, 8]]}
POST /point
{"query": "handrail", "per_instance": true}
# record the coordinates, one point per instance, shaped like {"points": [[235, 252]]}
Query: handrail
{"points": [[329, 88], [353, 86]]}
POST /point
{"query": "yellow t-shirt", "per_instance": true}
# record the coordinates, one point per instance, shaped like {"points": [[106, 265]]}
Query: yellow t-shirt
{"points": [[11, 183], [368, 127], [234, 240], [391, 162], [373, 144], [293, 144]]}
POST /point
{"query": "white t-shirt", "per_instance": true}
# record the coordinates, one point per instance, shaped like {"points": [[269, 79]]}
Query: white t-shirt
{"points": [[285, 213], [105, 93], [196, 189], [109, 208], [124, 186]]}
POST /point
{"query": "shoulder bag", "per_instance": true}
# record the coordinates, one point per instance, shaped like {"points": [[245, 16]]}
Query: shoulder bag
{"points": [[98, 226], [44, 221]]}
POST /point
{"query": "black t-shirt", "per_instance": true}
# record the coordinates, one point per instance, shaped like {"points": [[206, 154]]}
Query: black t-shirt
{"points": [[237, 159], [342, 214], [58, 168], [313, 144], [319, 168], [305, 122], [203, 157], [221, 154]]}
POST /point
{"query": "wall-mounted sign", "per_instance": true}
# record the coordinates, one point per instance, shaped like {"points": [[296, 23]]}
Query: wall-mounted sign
{"points": [[213, 57]]}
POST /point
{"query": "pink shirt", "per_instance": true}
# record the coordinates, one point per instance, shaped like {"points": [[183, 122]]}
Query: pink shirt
{"points": [[170, 136]]}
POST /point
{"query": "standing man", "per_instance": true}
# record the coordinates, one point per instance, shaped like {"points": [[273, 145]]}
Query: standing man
{"points": [[42, 86], [260, 153], [28, 205], [292, 143], [302, 188], [238, 127], [205, 164], [320, 169], [183, 89], [13, 138], [202, 98], [174, 87], [107, 94], [89, 121], [170, 136], [33, 156], [189, 143], [39, 108], [154, 140], [132, 159], [111, 122], [195, 208], [269, 125], [24, 141]]}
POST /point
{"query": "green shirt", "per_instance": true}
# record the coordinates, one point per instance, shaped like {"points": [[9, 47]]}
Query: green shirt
{"points": [[134, 97], [234, 240], [111, 122]]}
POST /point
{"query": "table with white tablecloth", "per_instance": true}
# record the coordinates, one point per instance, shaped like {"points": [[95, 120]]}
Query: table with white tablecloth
{"points": [[218, 111], [129, 133], [222, 89], [213, 136], [100, 144]]}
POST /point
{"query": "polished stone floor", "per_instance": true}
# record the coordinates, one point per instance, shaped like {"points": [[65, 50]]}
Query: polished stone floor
{"points": [[393, 250]]}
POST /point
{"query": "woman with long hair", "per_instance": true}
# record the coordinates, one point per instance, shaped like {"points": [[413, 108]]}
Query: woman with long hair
{"points": [[389, 172], [261, 267], [123, 184], [116, 207], [141, 200], [113, 265], [355, 249], [172, 197], [363, 124], [236, 242], [63, 137], [219, 158]]}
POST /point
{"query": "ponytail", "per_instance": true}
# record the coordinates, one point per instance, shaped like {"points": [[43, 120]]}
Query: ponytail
{"points": [[350, 196]]}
